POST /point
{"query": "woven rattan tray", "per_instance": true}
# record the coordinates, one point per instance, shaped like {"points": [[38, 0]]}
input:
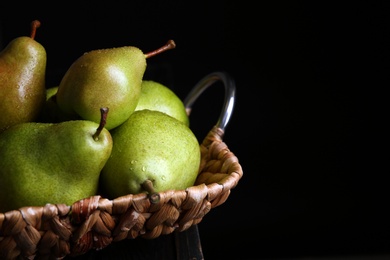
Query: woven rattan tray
{"points": [[55, 231]]}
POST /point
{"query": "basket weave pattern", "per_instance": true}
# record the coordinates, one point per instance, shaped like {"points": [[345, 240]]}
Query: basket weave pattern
{"points": [[56, 231]]}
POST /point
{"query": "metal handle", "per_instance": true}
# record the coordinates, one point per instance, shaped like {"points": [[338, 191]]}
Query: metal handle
{"points": [[230, 92]]}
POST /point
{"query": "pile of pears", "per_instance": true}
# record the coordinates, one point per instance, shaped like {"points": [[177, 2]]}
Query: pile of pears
{"points": [[103, 130]]}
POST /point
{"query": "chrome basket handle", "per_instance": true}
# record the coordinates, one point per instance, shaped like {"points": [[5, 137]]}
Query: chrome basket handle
{"points": [[230, 92]]}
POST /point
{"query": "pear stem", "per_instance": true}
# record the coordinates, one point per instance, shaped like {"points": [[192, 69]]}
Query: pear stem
{"points": [[168, 46], [154, 197], [103, 121], [34, 25]]}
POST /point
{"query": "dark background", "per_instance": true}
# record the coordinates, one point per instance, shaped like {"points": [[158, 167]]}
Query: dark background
{"points": [[309, 120]]}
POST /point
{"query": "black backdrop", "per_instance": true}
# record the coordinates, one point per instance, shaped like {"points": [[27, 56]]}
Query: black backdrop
{"points": [[309, 120]]}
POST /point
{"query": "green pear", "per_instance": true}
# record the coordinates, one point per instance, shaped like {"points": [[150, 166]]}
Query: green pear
{"points": [[51, 92], [51, 113], [22, 80], [150, 147], [57, 163], [156, 96], [109, 77]]}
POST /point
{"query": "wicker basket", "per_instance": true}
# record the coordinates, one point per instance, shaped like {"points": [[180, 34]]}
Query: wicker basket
{"points": [[55, 231]]}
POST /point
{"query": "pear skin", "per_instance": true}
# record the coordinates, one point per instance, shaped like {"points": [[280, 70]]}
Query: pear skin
{"points": [[150, 146], [156, 96], [22, 80], [109, 77], [51, 113], [51, 162]]}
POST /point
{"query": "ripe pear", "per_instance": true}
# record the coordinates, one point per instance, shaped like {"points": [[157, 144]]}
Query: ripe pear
{"points": [[150, 146], [51, 92], [156, 96], [109, 77], [22, 80], [57, 163], [51, 113]]}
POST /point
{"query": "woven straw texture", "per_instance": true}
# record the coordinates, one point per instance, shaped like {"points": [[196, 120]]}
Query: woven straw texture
{"points": [[55, 231]]}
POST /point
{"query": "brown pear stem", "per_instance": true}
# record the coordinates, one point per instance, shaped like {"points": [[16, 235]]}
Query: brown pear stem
{"points": [[168, 46], [34, 25], [154, 197], [103, 121]]}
